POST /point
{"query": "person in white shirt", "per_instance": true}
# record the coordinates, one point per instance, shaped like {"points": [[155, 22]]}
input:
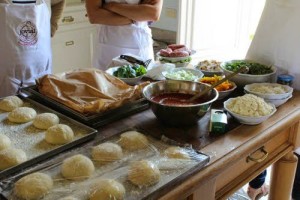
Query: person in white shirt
{"points": [[123, 28], [25, 48]]}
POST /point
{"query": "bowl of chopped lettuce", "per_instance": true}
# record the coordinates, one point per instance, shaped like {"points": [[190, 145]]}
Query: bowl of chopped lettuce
{"points": [[183, 74], [256, 73], [130, 74]]}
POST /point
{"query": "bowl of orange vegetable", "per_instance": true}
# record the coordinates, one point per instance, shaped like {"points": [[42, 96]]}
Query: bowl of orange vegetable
{"points": [[224, 88]]}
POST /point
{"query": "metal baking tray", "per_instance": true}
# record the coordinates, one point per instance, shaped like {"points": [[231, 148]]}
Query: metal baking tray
{"points": [[172, 172], [94, 120], [31, 140]]}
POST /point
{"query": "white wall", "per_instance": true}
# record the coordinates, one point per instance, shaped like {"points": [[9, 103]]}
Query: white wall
{"points": [[169, 16]]}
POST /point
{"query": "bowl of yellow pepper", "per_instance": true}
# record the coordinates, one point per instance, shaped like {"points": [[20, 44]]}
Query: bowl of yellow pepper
{"points": [[224, 89]]}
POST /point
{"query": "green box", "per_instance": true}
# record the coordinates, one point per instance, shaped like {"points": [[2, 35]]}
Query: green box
{"points": [[218, 121]]}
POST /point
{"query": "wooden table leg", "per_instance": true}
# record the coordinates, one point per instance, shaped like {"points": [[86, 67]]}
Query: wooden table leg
{"points": [[282, 177], [206, 191]]}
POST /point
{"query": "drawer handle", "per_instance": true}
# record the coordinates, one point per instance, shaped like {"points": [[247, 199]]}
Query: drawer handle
{"points": [[69, 43], [258, 160], [68, 19]]}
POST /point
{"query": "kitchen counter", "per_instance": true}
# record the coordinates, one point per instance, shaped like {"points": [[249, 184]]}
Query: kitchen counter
{"points": [[236, 157]]}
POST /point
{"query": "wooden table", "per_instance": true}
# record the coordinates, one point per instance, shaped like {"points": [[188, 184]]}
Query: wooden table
{"points": [[236, 157]]}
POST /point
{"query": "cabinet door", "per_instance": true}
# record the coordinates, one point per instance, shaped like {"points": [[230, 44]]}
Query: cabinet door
{"points": [[72, 49]]}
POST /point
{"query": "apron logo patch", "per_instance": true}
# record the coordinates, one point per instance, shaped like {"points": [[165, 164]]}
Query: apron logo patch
{"points": [[27, 33]]}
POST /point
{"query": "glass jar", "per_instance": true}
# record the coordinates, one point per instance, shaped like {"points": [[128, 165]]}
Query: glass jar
{"points": [[285, 79]]}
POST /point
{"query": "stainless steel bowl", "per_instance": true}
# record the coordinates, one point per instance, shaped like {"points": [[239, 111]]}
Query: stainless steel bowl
{"points": [[183, 115]]}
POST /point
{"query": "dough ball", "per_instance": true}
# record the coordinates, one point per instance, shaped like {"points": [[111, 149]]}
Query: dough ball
{"points": [[10, 103], [59, 134], [10, 157], [132, 140], [45, 120], [176, 152], [68, 198], [4, 142], [107, 189], [107, 152], [33, 186], [22, 115], [144, 173], [77, 167]]}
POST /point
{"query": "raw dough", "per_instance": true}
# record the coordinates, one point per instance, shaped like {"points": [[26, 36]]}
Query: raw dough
{"points": [[45, 120], [107, 152], [176, 152], [10, 157], [10, 103], [59, 134], [107, 189], [22, 115], [68, 198], [77, 167], [33, 186], [144, 173], [4, 142], [133, 140]]}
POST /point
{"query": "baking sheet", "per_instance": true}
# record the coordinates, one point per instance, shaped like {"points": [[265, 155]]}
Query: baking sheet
{"points": [[31, 140], [172, 171], [94, 120]]}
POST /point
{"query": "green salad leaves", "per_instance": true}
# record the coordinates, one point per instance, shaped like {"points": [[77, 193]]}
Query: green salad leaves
{"points": [[254, 68], [130, 71]]}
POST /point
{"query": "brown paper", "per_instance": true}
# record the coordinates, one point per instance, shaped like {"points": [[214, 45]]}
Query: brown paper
{"points": [[89, 90]]}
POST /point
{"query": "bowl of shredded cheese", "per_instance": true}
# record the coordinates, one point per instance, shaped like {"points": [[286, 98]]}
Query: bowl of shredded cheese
{"points": [[249, 109], [269, 90]]}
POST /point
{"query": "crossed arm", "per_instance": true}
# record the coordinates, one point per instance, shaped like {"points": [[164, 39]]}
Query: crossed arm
{"points": [[121, 13]]}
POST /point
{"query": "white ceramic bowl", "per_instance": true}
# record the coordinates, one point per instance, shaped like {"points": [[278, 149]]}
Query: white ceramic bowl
{"points": [[267, 93], [243, 79], [278, 102], [246, 119], [197, 74], [210, 68], [129, 81], [223, 94]]}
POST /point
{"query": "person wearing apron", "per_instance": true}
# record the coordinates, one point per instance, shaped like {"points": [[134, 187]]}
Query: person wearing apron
{"points": [[277, 42], [122, 28], [25, 48]]}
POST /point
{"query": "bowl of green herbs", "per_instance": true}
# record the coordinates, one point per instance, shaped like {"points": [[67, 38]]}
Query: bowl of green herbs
{"points": [[256, 73], [130, 74]]}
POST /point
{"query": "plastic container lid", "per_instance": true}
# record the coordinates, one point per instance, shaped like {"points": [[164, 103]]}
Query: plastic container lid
{"points": [[285, 77]]}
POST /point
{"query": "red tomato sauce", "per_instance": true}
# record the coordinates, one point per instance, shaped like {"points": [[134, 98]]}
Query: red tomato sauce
{"points": [[177, 99]]}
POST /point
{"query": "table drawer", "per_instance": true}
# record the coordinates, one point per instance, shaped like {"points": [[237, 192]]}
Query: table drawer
{"points": [[250, 166]]}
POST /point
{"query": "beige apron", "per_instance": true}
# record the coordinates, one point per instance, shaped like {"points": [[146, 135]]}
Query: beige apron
{"points": [[113, 41], [25, 47], [277, 38]]}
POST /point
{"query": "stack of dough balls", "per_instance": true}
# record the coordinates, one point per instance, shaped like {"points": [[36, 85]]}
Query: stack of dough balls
{"points": [[106, 189], [33, 186], [143, 173], [45, 120], [107, 152], [59, 134], [176, 152], [77, 167], [22, 115], [133, 140], [10, 103]]}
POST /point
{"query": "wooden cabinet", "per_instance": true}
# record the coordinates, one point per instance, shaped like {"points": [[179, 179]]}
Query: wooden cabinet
{"points": [[73, 43]]}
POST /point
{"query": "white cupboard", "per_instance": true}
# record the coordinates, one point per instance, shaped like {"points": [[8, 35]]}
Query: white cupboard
{"points": [[73, 43]]}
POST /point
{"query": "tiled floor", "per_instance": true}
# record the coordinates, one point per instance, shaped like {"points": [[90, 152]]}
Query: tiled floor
{"points": [[242, 193]]}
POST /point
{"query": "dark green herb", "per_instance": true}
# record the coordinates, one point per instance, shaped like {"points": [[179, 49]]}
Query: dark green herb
{"points": [[129, 71], [254, 68]]}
